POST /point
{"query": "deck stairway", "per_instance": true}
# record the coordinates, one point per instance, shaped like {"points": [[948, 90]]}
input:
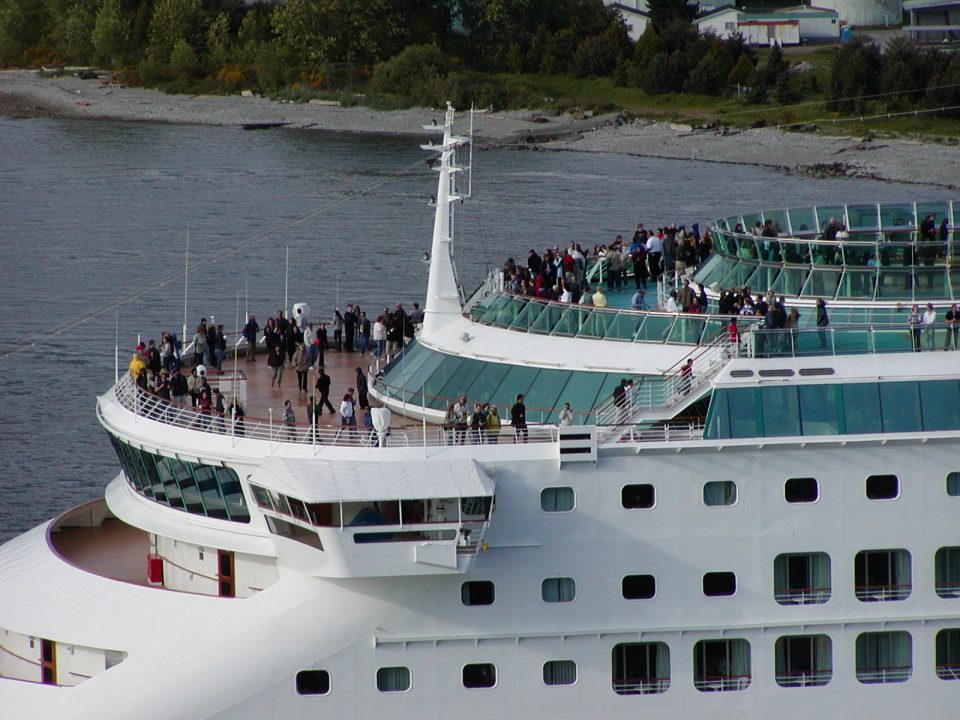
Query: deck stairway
{"points": [[661, 398]]}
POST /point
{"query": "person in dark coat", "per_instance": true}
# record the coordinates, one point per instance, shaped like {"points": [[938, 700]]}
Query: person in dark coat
{"points": [[518, 418], [362, 389]]}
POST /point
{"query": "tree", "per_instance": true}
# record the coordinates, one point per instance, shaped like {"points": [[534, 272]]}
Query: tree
{"points": [[72, 26], [594, 56], [663, 12], [409, 72], [111, 33], [183, 60], [854, 74], [21, 26], [173, 21], [907, 69]]}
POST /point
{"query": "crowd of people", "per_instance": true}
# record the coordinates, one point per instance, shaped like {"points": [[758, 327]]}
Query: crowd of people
{"points": [[296, 343]]}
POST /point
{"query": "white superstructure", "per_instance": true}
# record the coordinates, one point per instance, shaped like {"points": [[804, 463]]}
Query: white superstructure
{"points": [[792, 552]]}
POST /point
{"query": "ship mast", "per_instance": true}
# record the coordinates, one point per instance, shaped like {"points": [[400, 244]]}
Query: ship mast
{"points": [[444, 301]]}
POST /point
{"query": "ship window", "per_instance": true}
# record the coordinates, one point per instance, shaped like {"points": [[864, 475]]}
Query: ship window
{"points": [[637, 497], [721, 665], [801, 490], [557, 499], [801, 578], [953, 484], [884, 657], [393, 679], [559, 672], [479, 675], [781, 412], [803, 660], [819, 409], [882, 575], [719, 492], [883, 487], [313, 682], [477, 592], [639, 587], [947, 572], [948, 654], [900, 403], [861, 408], [641, 668], [558, 590], [294, 532], [719, 584]]}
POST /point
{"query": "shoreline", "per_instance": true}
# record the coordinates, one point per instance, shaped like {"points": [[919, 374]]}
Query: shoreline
{"points": [[24, 94]]}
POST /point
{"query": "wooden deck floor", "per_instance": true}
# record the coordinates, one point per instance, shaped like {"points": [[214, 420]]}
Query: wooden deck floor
{"points": [[261, 397], [114, 550]]}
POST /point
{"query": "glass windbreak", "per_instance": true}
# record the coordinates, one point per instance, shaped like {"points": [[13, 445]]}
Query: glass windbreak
{"points": [[863, 217], [895, 215], [656, 328], [547, 320], [802, 221], [527, 318]]}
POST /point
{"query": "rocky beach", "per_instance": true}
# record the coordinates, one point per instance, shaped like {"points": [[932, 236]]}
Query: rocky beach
{"points": [[27, 94]]}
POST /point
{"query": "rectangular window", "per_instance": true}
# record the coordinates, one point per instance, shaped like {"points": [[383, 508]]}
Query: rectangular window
{"points": [[900, 405], [637, 497], [721, 665], [743, 413], [719, 584], [558, 590], [947, 569], [948, 654], [641, 668], [882, 575], [781, 411], [479, 675], [953, 484], [883, 487], [559, 672], [861, 408], [477, 592], [940, 400], [818, 409], [718, 493], [801, 490], [801, 578], [803, 660], [393, 679], [313, 682], [294, 532], [557, 499], [884, 657], [639, 587]]}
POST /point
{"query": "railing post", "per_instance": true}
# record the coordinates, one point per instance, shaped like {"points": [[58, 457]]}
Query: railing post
{"points": [[833, 341], [270, 428], [873, 340], [233, 421]]}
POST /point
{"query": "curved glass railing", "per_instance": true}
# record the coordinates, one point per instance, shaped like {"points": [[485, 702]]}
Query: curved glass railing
{"points": [[884, 258]]}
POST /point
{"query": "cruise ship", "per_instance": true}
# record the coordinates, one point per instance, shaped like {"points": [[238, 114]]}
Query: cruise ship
{"points": [[773, 533]]}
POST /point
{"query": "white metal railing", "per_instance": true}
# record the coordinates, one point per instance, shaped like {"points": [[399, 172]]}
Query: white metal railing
{"points": [[720, 683], [666, 432], [641, 686], [805, 596], [884, 674], [662, 393], [882, 593], [811, 678], [275, 431]]}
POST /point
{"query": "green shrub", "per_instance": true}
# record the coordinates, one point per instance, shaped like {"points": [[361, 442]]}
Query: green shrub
{"points": [[595, 56], [410, 72]]}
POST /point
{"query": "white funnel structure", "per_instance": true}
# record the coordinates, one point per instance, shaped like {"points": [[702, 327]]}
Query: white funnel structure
{"points": [[443, 293]]}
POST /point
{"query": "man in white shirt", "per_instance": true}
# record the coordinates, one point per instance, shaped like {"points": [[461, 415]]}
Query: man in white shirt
{"points": [[929, 319]]}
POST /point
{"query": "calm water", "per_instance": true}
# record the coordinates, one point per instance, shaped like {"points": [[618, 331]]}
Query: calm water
{"points": [[92, 213]]}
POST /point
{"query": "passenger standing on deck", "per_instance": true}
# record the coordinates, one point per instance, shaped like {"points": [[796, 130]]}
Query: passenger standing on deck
{"points": [[929, 332], [349, 329], [301, 363], [566, 415], [323, 387], [310, 342], [518, 418], [459, 417], [416, 317], [338, 329], [823, 321], [179, 388], [348, 417], [493, 425], [686, 376], [379, 337], [395, 334], [952, 318], [362, 389], [913, 320], [599, 299], [199, 345], [219, 349], [363, 334], [275, 361], [250, 331], [289, 420]]}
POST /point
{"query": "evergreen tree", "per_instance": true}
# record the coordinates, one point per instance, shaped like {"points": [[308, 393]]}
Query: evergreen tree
{"points": [[111, 33], [663, 12]]}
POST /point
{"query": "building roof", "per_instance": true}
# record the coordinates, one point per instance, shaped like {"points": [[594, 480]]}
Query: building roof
{"points": [[780, 14], [923, 4], [626, 9]]}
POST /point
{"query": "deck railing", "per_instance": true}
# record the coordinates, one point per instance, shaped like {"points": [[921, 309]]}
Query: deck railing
{"points": [[276, 432]]}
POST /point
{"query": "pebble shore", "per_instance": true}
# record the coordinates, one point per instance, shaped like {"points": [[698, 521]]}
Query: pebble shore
{"points": [[26, 94]]}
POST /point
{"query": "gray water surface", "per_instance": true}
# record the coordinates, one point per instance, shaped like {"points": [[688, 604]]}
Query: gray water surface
{"points": [[92, 213]]}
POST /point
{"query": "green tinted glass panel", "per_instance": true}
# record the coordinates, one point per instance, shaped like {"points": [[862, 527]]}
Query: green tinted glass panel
{"points": [[743, 412], [779, 218], [940, 400], [410, 385], [543, 397], [861, 408], [209, 488], [740, 275], [790, 281], [765, 276], [438, 380], [819, 405], [822, 283], [939, 210], [596, 323], [528, 316], [494, 308], [487, 381], [718, 418], [509, 312], [572, 321], [518, 380], [714, 327], [624, 326], [825, 213], [581, 392], [894, 284], [894, 215], [687, 330], [459, 381], [781, 412], [802, 221], [795, 253], [656, 328], [931, 282], [547, 319], [900, 405], [858, 284], [863, 217]]}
